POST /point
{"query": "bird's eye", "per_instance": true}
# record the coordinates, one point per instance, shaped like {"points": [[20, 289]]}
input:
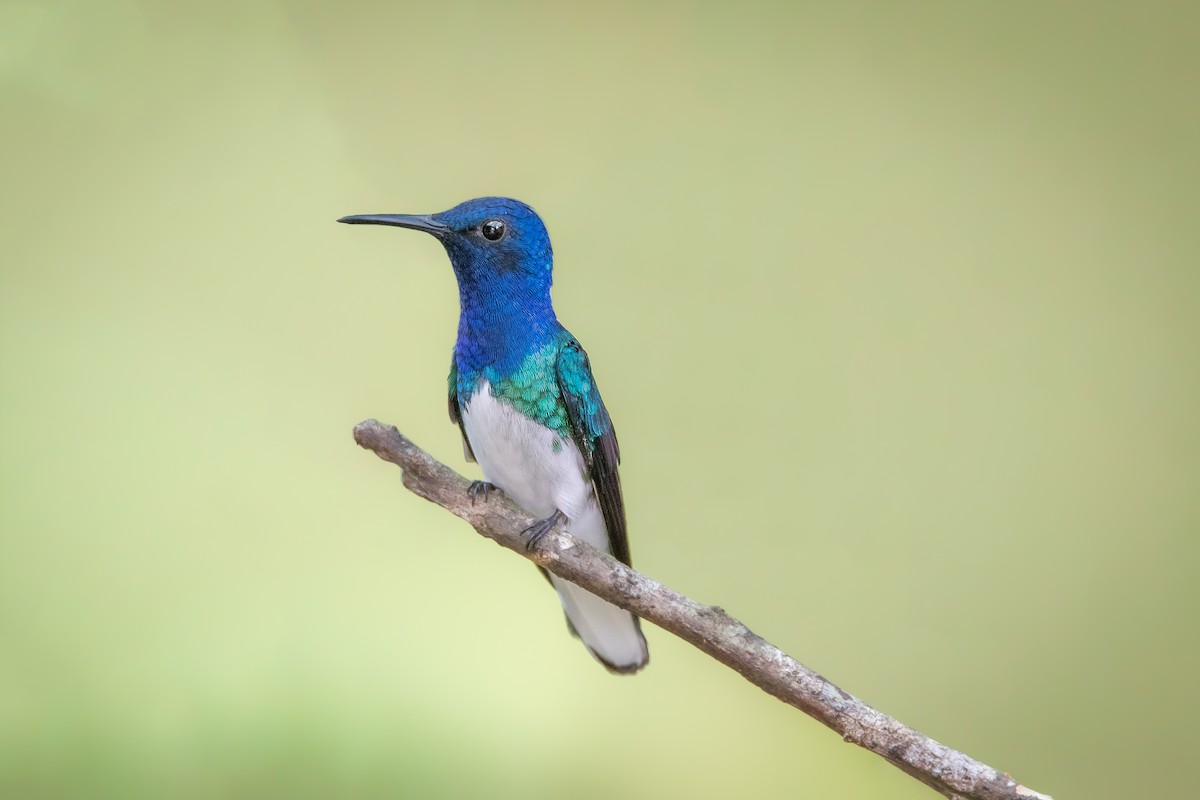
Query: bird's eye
{"points": [[492, 230]]}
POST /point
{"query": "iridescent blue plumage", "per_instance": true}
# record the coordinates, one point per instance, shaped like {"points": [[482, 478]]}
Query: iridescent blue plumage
{"points": [[523, 394]]}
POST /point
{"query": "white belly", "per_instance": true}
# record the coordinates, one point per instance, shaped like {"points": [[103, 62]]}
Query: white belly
{"points": [[537, 468], [544, 472]]}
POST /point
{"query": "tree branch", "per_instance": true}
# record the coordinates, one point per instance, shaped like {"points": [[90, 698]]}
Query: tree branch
{"points": [[708, 628]]}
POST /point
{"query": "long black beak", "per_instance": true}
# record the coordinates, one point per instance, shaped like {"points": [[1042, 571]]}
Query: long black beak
{"points": [[420, 222]]}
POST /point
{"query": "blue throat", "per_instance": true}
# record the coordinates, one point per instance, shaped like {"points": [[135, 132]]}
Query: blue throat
{"points": [[504, 317]]}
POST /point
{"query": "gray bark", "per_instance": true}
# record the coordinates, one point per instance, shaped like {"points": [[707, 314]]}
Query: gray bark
{"points": [[706, 627]]}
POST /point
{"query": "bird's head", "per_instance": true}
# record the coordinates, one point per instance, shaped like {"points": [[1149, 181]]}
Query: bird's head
{"points": [[492, 242]]}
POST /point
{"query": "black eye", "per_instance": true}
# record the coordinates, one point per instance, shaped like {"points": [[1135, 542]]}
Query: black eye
{"points": [[492, 230]]}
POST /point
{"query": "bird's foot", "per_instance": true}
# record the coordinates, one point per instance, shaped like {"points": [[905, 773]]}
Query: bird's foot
{"points": [[479, 489], [537, 530]]}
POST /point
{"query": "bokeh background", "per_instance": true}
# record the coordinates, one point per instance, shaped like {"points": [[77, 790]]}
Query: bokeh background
{"points": [[895, 306]]}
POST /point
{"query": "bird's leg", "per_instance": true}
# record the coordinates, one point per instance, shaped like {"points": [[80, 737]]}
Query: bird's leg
{"points": [[479, 489], [537, 530]]}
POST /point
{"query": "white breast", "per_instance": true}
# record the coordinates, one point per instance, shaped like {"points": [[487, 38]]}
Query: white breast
{"points": [[534, 466]]}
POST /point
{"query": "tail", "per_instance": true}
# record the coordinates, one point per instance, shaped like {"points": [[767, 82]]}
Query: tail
{"points": [[612, 635]]}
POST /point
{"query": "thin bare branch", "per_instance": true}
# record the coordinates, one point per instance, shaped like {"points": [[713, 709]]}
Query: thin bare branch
{"points": [[708, 628]]}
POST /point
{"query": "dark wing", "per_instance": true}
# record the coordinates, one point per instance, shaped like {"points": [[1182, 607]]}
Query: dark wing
{"points": [[456, 412], [597, 441]]}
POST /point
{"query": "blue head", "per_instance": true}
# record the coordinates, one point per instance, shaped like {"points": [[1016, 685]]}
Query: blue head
{"points": [[496, 237], [501, 256]]}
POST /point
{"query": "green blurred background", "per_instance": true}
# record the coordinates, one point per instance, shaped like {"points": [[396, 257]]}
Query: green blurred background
{"points": [[895, 306]]}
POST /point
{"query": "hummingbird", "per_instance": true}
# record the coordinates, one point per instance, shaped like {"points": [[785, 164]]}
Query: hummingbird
{"points": [[522, 394]]}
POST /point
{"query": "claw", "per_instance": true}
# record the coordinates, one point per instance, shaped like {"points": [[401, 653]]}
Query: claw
{"points": [[537, 530], [479, 489]]}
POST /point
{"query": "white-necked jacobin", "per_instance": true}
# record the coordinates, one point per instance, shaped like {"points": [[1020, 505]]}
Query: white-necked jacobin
{"points": [[523, 395]]}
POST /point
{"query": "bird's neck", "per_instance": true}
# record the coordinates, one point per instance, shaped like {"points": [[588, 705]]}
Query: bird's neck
{"points": [[499, 328]]}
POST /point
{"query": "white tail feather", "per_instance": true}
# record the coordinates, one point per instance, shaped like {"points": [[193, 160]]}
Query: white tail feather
{"points": [[611, 634]]}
